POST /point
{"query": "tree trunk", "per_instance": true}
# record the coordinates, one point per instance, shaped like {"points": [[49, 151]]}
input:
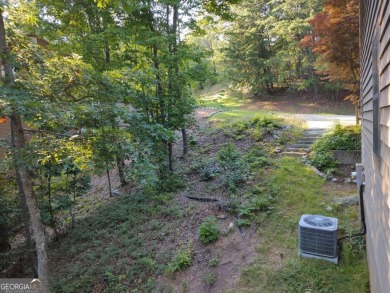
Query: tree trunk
{"points": [[185, 141], [25, 215], [170, 157], [25, 178], [121, 170], [4, 237], [357, 109], [109, 180], [38, 228]]}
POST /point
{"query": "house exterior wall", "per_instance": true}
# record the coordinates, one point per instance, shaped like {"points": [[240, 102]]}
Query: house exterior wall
{"points": [[375, 113]]}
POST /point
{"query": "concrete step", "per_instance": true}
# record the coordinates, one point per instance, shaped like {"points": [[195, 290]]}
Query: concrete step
{"points": [[294, 154]]}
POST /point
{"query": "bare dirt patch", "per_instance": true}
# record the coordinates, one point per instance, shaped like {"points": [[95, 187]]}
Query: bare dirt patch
{"points": [[235, 249]]}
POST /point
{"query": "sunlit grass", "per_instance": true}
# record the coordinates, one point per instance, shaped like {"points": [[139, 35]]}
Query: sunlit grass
{"points": [[220, 97], [236, 115]]}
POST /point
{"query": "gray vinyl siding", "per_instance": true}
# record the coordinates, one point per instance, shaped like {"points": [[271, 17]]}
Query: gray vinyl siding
{"points": [[375, 83]]}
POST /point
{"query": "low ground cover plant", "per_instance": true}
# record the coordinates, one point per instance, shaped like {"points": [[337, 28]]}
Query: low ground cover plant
{"points": [[338, 138], [208, 230]]}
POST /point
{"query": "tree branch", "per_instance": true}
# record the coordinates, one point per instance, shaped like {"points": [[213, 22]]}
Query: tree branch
{"points": [[47, 132]]}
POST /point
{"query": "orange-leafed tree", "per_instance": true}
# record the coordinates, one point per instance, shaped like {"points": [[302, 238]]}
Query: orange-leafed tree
{"points": [[335, 37]]}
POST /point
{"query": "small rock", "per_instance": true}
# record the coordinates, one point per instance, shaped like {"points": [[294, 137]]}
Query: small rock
{"points": [[277, 151], [347, 201], [231, 226], [115, 192], [222, 216], [348, 180], [328, 208], [334, 179]]}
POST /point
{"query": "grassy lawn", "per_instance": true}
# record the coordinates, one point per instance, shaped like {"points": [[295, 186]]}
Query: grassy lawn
{"points": [[278, 267]]}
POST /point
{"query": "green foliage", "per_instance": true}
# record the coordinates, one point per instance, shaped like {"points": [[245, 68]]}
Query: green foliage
{"points": [[116, 240], [209, 278], [323, 161], [257, 158], [170, 183], [242, 222], [209, 171], [228, 155], [208, 230], [234, 169], [10, 215], [257, 127], [114, 282], [304, 275], [262, 45], [338, 138], [298, 191], [181, 260], [214, 261]]}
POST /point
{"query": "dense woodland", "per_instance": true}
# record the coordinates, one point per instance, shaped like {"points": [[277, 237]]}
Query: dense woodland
{"points": [[110, 84]]}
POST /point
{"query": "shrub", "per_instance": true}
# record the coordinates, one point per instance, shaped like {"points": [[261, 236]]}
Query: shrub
{"points": [[268, 121], [170, 183], [209, 172], [233, 166], [214, 261], [181, 260], [339, 138], [209, 278], [323, 161], [208, 230], [229, 155]]}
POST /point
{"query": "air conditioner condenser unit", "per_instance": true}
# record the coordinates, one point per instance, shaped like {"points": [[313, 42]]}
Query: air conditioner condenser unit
{"points": [[318, 237]]}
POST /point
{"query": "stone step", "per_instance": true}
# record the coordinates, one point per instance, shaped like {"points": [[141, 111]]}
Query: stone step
{"points": [[294, 154], [317, 130], [292, 149], [308, 139], [300, 145], [313, 133], [306, 142]]}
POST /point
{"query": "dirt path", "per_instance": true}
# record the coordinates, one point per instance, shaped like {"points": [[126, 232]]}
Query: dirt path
{"points": [[201, 116]]}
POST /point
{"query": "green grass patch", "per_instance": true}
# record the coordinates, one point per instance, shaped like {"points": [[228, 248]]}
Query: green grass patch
{"points": [[235, 115], [221, 98], [300, 191]]}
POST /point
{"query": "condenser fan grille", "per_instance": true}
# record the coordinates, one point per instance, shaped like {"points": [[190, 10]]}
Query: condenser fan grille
{"points": [[317, 221]]}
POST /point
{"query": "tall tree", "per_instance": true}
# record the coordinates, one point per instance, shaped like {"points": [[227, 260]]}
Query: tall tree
{"points": [[262, 48], [18, 143], [335, 37]]}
